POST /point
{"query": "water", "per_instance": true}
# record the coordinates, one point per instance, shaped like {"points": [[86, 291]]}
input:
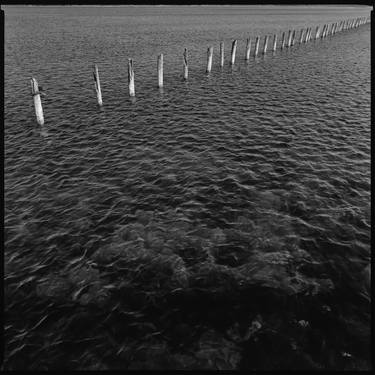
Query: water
{"points": [[220, 223]]}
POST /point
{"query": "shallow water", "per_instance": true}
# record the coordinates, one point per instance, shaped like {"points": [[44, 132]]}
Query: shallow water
{"points": [[234, 199]]}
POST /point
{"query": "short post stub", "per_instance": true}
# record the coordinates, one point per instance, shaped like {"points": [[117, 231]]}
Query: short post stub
{"points": [[160, 70], [209, 59], [274, 42], [131, 78], [186, 67], [283, 40], [248, 48], [97, 85], [233, 52], [265, 44], [317, 32], [256, 46], [221, 54], [37, 101]]}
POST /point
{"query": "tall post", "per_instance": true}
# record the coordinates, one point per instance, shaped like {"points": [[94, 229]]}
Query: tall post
{"points": [[37, 101], [274, 42], [160, 70], [186, 66], [233, 54], [283, 40], [97, 85], [248, 48], [256, 46], [265, 44], [221, 54], [209, 59], [131, 78]]}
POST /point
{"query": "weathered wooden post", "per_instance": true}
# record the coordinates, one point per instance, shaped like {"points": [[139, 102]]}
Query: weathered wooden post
{"points": [[248, 48], [97, 85], [293, 37], [209, 59], [317, 33], [35, 91], [310, 33], [131, 78], [306, 35], [289, 38], [221, 54], [256, 46], [265, 44], [160, 70], [283, 40], [323, 31], [274, 42], [233, 54], [186, 66]]}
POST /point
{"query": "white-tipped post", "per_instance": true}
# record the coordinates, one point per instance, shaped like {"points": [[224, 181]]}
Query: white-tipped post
{"points": [[283, 40], [160, 70], [131, 78], [265, 44], [274, 42], [233, 53], [256, 46], [97, 85], [35, 91], [248, 48], [221, 54], [289, 38], [186, 67], [210, 51]]}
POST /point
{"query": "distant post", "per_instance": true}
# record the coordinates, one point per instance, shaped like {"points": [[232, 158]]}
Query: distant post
{"points": [[317, 33], [283, 40], [274, 42], [293, 37], [221, 54], [160, 70], [256, 46], [233, 54], [209, 59], [131, 78], [37, 101], [289, 38], [97, 85], [248, 48], [265, 44], [186, 67]]}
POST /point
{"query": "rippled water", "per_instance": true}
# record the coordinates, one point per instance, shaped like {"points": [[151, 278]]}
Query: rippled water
{"points": [[222, 222]]}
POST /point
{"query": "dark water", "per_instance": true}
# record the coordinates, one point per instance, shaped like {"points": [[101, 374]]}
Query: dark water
{"points": [[222, 223]]}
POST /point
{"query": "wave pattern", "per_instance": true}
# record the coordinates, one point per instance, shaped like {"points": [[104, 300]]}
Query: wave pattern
{"points": [[193, 226]]}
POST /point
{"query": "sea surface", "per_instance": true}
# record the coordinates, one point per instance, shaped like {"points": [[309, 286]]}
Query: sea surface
{"points": [[218, 223]]}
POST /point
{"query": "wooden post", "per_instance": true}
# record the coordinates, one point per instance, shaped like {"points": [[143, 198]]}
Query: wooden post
{"points": [[37, 101], [289, 38], [248, 48], [186, 67], [283, 40], [233, 54], [301, 37], [209, 59], [256, 46], [131, 78], [293, 37], [221, 54], [309, 35], [317, 33], [265, 44], [274, 42], [160, 70], [323, 31], [97, 85], [306, 35]]}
